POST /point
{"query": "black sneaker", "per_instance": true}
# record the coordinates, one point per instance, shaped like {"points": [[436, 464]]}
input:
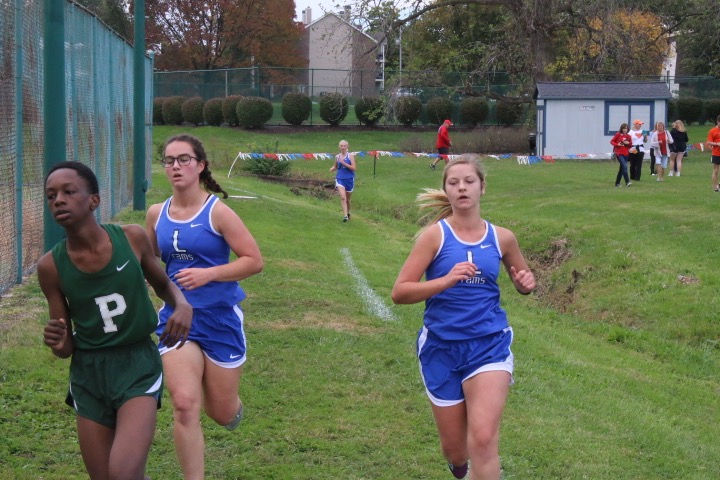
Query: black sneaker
{"points": [[432, 166], [458, 471], [346, 218]]}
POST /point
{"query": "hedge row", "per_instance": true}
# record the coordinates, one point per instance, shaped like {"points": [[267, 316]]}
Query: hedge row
{"points": [[254, 112], [694, 110]]}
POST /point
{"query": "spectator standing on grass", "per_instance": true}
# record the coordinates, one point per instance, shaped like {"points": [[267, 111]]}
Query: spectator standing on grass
{"points": [[713, 140], [464, 345], [637, 150], [678, 147], [345, 167], [620, 143], [442, 144], [102, 316], [652, 153], [661, 140], [194, 232]]}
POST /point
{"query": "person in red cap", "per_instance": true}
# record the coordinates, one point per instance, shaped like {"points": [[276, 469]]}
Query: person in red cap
{"points": [[637, 150], [443, 143]]}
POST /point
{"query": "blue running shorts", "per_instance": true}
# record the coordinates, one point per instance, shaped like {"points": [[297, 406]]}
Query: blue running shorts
{"points": [[445, 365], [219, 332]]}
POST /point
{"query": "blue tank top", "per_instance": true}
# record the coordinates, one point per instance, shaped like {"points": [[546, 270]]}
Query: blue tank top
{"points": [[343, 173], [195, 243], [471, 308]]}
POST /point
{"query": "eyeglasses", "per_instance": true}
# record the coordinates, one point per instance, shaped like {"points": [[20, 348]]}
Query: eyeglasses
{"points": [[182, 160]]}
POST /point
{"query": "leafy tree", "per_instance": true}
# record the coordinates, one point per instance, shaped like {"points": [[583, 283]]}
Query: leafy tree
{"points": [[628, 43], [698, 43], [116, 14], [527, 38], [210, 34]]}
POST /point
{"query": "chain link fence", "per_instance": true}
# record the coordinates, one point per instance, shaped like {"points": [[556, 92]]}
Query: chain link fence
{"points": [[99, 92]]}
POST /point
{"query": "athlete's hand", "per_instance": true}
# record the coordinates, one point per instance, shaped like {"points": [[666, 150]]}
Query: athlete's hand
{"points": [[524, 280], [178, 326], [55, 333], [461, 271], [191, 278]]}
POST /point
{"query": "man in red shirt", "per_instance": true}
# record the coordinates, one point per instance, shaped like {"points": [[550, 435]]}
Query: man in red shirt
{"points": [[713, 140], [443, 143]]}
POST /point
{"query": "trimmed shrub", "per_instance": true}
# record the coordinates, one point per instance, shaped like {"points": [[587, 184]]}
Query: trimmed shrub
{"points": [[690, 109], [408, 110], [253, 112], [212, 112], [192, 110], [439, 109], [508, 113], [473, 111], [172, 110], [369, 110], [333, 108], [229, 109], [712, 110], [296, 108], [157, 111]]}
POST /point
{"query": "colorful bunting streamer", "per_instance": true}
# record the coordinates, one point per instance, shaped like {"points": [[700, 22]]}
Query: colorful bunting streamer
{"points": [[521, 159]]}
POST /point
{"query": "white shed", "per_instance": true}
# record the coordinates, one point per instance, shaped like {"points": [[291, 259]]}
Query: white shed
{"points": [[581, 118]]}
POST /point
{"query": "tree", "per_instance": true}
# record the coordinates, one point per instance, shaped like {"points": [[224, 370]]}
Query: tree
{"points": [[627, 44], [210, 34], [698, 44], [522, 37], [116, 14]]}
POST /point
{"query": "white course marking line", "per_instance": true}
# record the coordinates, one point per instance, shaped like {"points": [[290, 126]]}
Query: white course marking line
{"points": [[371, 299]]}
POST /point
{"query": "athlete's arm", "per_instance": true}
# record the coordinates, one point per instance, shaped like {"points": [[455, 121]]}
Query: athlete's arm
{"points": [[150, 220], [178, 325], [352, 166], [57, 333], [409, 288], [520, 274]]}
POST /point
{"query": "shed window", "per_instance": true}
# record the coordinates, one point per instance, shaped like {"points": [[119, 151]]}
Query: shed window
{"points": [[617, 113]]}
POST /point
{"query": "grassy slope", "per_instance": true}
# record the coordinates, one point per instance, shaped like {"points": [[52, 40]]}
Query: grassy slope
{"points": [[617, 360]]}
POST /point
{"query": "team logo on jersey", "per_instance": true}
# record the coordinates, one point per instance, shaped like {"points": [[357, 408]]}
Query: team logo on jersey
{"points": [[180, 253], [104, 303]]}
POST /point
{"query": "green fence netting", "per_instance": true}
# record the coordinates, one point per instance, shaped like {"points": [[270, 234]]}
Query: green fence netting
{"points": [[99, 122]]}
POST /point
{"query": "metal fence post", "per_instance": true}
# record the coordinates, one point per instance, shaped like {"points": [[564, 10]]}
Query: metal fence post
{"points": [[139, 181], [54, 98]]}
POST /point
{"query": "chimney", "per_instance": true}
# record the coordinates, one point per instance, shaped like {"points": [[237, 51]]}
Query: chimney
{"points": [[307, 16]]}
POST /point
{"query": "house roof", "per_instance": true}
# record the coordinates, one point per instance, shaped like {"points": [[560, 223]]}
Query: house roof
{"points": [[341, 19], [602, 90]]}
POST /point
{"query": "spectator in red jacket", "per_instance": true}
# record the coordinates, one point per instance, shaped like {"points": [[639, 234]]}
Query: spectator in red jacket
{"points": [[443, 143]]}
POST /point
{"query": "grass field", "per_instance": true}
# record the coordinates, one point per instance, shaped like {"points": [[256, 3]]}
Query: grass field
{"points": [[617, 353]]}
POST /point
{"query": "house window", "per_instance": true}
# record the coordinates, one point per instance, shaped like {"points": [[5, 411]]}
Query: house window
{"points": [[619, 112]]}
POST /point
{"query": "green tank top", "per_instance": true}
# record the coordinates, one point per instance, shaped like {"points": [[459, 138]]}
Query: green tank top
{"points": [[110, 307]]}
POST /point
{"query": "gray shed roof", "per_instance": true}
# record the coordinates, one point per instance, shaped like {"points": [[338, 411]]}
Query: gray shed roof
{"points": [[603, 90]]}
